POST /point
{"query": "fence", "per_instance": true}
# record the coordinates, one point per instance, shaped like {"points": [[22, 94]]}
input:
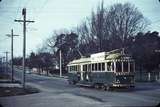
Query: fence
{"points": [[147, 76]]}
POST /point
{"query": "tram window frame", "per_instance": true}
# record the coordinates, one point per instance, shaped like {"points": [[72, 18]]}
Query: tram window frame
{"points": [[85, 67], [125, 66], [118, 66], [93, 66], [103, 66], [89, 67], [73, 68], [96, 66], [99, 66], [112, 66], [79, 67], [109, 66], [70, 68]]}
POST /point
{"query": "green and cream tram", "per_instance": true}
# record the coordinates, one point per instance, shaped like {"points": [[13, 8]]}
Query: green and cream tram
{"points": [[104, 69]]}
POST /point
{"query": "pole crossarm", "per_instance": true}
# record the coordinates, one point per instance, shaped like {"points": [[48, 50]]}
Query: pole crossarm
{"points": [[9, 35], [30, 21]]}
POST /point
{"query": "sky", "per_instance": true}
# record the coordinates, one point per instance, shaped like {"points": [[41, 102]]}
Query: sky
{"points": [[52, 15]]}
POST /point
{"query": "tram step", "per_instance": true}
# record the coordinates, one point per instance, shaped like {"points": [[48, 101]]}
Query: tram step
{"points": [[85, 84]]}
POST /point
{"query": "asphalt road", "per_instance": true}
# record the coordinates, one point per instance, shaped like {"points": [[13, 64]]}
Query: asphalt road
{"points": [[56, 92]]}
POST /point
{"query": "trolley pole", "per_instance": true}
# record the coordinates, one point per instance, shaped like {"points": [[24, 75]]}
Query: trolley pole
{"points": [[24, 42], [12, 35]]}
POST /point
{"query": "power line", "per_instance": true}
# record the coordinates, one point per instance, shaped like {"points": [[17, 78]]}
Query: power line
{"points": [[2, 40]]}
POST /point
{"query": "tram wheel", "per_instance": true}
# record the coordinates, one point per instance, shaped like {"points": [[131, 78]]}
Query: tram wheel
{"points": [[96, 86], [103, 87], [107, 88], [72, 82]]}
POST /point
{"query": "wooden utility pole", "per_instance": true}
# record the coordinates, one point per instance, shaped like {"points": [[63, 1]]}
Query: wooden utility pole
{"points": [[6, 62], [12, 35], [60, 63], [24, 41]]}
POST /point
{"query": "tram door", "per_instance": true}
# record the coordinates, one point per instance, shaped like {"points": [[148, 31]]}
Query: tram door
{"points": [[85, 69]]}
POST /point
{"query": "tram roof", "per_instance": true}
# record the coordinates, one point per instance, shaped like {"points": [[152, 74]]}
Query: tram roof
{"points": [[101, 57], [113, 56], [81, 60]]}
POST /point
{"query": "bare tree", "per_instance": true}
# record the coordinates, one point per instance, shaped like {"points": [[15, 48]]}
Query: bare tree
{"points": [[115, 25], [124, 20], [92, 30]]}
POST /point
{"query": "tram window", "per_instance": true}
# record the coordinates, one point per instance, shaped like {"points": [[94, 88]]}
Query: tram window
{"points": [[93, 67], [75, 68], [96, 67], [103, 66], [84, 67], [71, 68], [125, 66], [99, 66], [79, 68], [112, 65], [89, 67], [118, 67], [109, 66]]}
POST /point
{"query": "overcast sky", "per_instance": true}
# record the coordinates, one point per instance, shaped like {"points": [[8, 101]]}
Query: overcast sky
{"points": [[50, 15]]}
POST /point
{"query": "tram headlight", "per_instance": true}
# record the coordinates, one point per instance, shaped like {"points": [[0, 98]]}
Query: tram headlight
{"points": [[117, 81]]}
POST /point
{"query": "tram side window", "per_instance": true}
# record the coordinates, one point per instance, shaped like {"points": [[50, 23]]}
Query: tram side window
{"points": [[69, 68], [99, 67], [112, 65], [84, 67], [89, 67], [96, 67], [103, 66], [109, 66], [78, 67], [73, 68], [118, 67], [125, 66], [93, 65]]}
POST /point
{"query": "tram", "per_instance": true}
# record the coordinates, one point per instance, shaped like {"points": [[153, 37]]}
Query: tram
{"points": [[103, 70]]}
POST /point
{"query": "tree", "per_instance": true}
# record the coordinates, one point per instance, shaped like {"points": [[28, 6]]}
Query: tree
{"points": [[67, 43], [42, 61], [143, 50], [111, 28], [17, 61], [92, 30]]}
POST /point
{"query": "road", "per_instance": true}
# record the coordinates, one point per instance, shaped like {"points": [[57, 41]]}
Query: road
{"points": [[56, 92]]}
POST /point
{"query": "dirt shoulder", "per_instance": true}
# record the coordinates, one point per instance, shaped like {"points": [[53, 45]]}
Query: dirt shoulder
{"points": [[8, 88]]}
